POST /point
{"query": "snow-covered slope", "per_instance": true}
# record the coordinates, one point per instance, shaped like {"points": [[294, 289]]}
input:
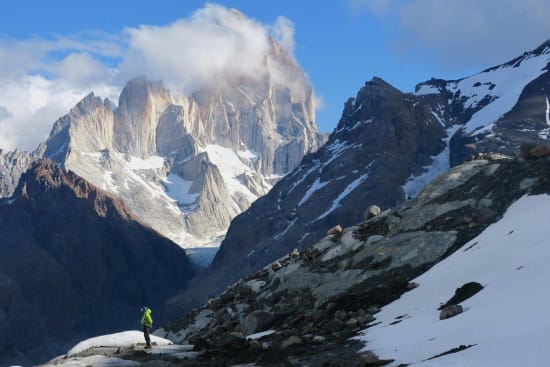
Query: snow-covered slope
{"points": [[505, 323]]}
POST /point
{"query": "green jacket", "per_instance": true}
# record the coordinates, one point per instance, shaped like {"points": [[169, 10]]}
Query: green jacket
{"points": [[147, 320]]}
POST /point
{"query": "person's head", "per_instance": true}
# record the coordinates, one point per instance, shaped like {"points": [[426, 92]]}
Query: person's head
{"points": [[144, 308]]}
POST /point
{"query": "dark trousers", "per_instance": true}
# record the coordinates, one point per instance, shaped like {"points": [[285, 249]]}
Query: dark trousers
{"points": [[146, 335]]}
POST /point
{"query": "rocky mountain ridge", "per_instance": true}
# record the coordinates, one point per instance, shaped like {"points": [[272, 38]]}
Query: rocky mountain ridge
{"points": [[387, 146]]}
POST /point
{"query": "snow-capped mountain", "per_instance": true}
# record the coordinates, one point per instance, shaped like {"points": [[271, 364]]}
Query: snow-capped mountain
{"points": [[187, 165], [75, 261], [387, 147]]}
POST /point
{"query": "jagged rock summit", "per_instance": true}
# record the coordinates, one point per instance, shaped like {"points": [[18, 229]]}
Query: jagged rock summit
{"points": [[188, 164], [387, 146], [74, 262]]}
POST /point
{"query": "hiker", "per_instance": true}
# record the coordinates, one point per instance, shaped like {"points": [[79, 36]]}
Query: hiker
{"points": [[147, 323]]}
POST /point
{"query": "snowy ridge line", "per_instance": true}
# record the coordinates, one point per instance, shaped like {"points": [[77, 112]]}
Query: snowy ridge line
{"points": [[505, 85]]}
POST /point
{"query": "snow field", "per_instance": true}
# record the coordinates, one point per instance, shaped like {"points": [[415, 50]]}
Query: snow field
{"points": [[506, 321]]}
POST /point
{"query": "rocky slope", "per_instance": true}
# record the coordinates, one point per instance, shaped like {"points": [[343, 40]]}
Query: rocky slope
{"points": [[387, 146], [12, 166], [75, 262], [188, 164], [302, 309]]}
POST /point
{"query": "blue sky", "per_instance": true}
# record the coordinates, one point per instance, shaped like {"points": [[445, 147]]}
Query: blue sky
{"points": [[339, 43]]}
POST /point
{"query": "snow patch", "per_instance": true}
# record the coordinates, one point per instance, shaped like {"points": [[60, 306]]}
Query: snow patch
{"points": [[440, 163], [506, 320], [109, 183], [231, 167], [317, 185], [289, 225], [337, 148], [248, 155], [304, 176], [154, 162], [427, 89], [352, 186], [178, 189], [260, 335], [547, 112], [502, 85], [122, 339]]}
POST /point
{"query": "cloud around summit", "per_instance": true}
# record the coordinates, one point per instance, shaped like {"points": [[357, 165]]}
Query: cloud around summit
{"points": [[41, 79]]}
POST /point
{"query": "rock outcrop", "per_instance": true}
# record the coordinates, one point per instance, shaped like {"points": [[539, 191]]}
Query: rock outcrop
{"points": [[75, 262]]}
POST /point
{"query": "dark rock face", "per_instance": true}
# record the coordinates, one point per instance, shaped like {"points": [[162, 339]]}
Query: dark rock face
{"points": [[462, 293], [75, 263]]}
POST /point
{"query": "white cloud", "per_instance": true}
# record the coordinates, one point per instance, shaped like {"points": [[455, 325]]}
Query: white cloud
{"points": [[4, 113], [213, 46], [464, 33], [33, 104], [41, 79], [283, 33]]}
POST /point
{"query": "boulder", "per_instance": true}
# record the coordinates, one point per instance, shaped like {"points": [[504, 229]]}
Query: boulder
{"points": [[214, 303], [462, 293], [334, 325], [276, 266], [341, 314], [257, 321], [535, 151], [372, 212], [318, 339], [486, 215], [373, 309], [351, 323], [291, 341], [371, 360], [336, 230], [450, 311], [233, 340]]}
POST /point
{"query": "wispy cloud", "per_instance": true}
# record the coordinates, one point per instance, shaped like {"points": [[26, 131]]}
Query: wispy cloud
{"points": [[463, 33], [41, 79]]}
